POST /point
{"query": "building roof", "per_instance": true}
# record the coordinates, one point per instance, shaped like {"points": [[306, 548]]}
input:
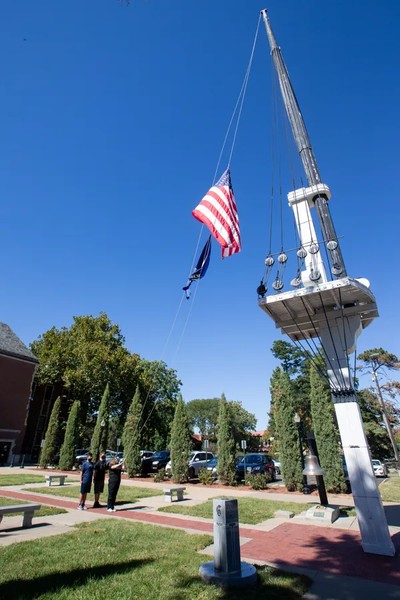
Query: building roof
{"points": [[11, 345]]}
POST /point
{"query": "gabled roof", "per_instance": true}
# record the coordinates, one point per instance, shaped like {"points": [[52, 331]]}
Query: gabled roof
{"points": [[11, 345]]}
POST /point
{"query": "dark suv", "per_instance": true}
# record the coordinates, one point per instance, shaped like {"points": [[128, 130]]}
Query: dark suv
{"points": [[157, 461], [255, 463]]}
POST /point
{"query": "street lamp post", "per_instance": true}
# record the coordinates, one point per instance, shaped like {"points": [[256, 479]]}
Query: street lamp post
{"points": [[375, 366]]}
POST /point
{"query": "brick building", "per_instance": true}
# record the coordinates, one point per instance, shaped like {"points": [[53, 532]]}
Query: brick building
{"points": [[17, 369]]}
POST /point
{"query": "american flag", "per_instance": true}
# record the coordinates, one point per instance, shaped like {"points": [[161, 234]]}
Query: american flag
{"points": [[218, 212]]}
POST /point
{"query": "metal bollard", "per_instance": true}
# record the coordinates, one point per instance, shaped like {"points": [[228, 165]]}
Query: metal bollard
{"points": [[226, 536], [227, 570]]}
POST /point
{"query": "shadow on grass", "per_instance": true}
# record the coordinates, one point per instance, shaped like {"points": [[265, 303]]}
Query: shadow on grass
{"points": [[264, 588], [35, 587]]}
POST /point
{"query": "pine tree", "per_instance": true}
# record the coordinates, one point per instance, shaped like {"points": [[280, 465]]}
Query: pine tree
{"points": [[67, 452], [132, 436], [226, 444], [289, 445], [326, 433], [51, 440], [100, 434], [180, 443]]}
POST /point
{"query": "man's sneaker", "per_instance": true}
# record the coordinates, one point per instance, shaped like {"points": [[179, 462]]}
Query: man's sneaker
{"points": [[110, 510], [96, 505], [80, 507], [84, 507]]}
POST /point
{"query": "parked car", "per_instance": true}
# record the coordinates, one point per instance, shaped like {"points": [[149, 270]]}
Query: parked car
{"points": [[111, 454], [155, 462], [277, 466], [80, 456], [197, 460], [146, 453], [212, 466], [255, 463], [379, 467]]}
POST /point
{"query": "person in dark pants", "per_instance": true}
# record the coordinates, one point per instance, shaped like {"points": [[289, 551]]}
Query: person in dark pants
{"points": [[86, 480], [114, 481], [99, 473]]}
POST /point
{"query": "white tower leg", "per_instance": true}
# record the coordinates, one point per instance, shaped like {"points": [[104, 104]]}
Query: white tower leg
{"points": [[367, 500]]}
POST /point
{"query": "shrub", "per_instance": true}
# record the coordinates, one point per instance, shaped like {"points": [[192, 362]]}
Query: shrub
{"points": [[258, 481], [159, 477], [206, 477]]}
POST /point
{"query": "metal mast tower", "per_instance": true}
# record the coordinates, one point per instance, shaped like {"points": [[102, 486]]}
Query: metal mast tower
{"points": [[334, 312]]}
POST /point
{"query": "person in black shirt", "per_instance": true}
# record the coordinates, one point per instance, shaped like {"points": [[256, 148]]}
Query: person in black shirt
{"points": [[114, 481], [99, 474]]}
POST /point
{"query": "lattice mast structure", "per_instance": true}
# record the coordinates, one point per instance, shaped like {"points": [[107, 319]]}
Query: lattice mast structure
{"points": [[333, 312]]}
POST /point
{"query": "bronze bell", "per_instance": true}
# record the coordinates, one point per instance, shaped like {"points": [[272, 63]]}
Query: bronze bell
{"points": [[312, 467]]}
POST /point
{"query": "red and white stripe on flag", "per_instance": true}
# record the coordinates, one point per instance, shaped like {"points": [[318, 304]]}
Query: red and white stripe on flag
{"points": [[218, 212]]}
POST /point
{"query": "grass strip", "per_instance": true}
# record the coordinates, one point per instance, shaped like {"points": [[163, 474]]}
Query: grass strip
{"points": [[20, 479], [119, 560], [44, 511], [251, 510], [390, 489], [125, 493]]}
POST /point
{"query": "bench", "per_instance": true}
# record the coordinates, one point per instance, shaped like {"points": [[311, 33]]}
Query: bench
{"points": [[27, 509], [51, 478], [171, 491]]}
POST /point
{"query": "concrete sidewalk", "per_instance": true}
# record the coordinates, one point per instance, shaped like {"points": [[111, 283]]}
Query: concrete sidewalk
{"points": [[331, 555]]}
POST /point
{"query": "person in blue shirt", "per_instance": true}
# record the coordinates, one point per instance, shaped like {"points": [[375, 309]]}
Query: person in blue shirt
{"points": [[86, 480]]}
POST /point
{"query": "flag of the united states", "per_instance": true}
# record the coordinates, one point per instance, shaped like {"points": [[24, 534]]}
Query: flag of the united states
{"points": [[218, 212]]}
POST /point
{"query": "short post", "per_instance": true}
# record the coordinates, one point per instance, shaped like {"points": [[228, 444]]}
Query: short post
{"points": [[227, 570], [21, 466]]}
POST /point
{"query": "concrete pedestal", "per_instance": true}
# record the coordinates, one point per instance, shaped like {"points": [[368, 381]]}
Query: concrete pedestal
{"points": [[227, 570], [246, 575], [323, 514]]}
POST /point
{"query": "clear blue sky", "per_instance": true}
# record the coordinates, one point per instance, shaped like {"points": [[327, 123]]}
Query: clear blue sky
{"points": [[112, 120]]}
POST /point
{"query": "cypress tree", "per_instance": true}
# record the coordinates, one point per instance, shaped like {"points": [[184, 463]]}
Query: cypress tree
{"points": [[180, 443], [100, 434], [71, 438], [132, 436], [226, 444], [289, 445], [326, 433], [49, 449]]}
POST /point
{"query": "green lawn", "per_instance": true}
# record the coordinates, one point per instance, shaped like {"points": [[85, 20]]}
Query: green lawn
{"points": [[251, 510], [20, 479], [390, 489], [43, 512], [120, 560], [125, 493]]}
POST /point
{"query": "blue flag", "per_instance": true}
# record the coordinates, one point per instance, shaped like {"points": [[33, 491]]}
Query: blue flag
{"points": [[201, 266]]}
